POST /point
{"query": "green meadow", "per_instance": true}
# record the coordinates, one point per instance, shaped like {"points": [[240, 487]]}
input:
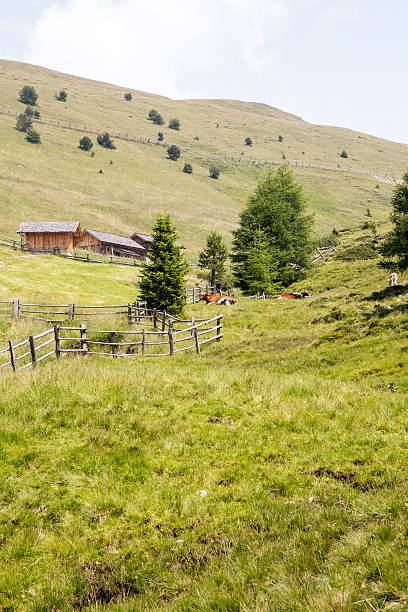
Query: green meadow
{"points": [[57, 180], [269, 473]]}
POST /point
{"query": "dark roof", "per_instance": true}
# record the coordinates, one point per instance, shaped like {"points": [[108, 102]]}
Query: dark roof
{"points": [[149, 238], [48, 226], [112, 239]]}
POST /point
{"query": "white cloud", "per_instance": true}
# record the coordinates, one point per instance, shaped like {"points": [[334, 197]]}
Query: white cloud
{"points": [[180, 48]]}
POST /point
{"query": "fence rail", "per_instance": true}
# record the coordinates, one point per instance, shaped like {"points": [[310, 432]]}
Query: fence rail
{"points": [[112, 343], [384, 178]]}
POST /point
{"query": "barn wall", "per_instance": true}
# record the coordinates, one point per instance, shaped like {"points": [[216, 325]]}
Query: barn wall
{"points": [[89, 243], [47, 241]]}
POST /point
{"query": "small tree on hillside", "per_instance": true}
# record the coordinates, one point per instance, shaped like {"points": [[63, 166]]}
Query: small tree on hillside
{"points": [[33, 136], [248, 141], [214, 172], [174, 124], [156, 117], [188, 168], [163, 280], [31, 112], [280, 138], [128, 96], [23, 123], [173, 152], [62, 96], [106, 141], [260, 269], [85, 143], [213, 259], [28, 95], [160, 136], [395, 247], [344, 154], [278, 209]]}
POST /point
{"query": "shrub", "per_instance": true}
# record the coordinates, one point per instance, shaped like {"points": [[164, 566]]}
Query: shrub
{"points": [[188, 168], [33, 136], [85, 143], [196, 138], [156, 117], [283, 156], [173, 152], [30, 112], [160, 136], [174, 124], [62, 96], [28, 95], [280, 138], [214, 172], [23, 123], [355, 253], [106, 141], [128, 96], [248, 141], [344, 154]]}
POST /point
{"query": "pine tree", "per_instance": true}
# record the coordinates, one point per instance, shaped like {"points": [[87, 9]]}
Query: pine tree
{"points": [[213, 259], [260, 267], [162, 280], [395, 246], [278, 209]]}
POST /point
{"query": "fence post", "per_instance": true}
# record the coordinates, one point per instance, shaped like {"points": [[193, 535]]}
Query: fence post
{"points": [[12, 355], [71, 312], [84, 346], [154, 318], [129, 310], [137, 312], [114, 345], [195, 334], [193, 295], [219, 317], [57, 341], [164, 321], [144, 343], [206, 289], [32, 351], [171, 338], [16, 309]]}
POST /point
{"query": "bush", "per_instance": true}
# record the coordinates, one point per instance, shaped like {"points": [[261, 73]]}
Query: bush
{"points": [[128, 96], [30, 112], [106, 141], [214, 172], [280, 138], [156, 117], [23, 123], [85, 143], [62, 96], [344, 154], [188, 168], [173, 152], [160, 136], [28, 95], [196, 138], [248, 141], [33, 136], [174, 124]]}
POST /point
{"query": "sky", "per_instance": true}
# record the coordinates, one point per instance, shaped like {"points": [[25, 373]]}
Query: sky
{"points": [[332, 62]]}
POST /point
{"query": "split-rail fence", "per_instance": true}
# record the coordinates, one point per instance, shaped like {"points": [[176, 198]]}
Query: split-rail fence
{"points": [[167, 336]]}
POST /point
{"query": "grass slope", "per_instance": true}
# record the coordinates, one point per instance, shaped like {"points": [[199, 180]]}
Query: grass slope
{"points": [[57, 180], [294, 426]]}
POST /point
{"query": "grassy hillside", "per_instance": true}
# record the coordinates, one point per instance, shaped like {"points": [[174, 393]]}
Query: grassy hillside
{"points": [[57, 180], [267, 474]]}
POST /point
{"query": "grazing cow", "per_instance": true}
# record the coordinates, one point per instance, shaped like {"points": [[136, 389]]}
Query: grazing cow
{"points": [[291, 296], [225, 300], [393, 279]]}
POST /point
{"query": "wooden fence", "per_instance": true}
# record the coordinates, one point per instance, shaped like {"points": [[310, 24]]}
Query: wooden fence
{"points": [[193, 293], [385, 178], [324, 252], [172, 338]]}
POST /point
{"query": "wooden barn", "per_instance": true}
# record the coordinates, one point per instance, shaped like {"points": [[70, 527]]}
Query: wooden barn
{"points": [[51, 236], [109, 244], [145, 240]]}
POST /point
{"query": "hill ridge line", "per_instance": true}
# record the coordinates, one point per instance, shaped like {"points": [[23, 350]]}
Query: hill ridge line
{"points": [[389, 179]]}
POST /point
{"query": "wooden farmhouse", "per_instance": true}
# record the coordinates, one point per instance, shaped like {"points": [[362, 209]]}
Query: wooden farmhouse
{"points": [[109, 244], [52, 236]]}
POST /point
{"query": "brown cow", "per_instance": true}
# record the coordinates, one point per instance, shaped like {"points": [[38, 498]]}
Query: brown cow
{"points": [[217, 299], [291, 296]]}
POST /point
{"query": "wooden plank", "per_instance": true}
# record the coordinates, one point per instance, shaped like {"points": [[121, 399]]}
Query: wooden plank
{"points": [[32, 351], [144, 343], [195, 334], [12, 355], [57, 341], [84, 346], [16, 309]]}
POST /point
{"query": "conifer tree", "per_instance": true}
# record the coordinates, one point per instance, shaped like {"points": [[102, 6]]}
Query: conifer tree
{"points": [[395, 246], [213, 259], [258, 273], [163, 280], [278, 209]]}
